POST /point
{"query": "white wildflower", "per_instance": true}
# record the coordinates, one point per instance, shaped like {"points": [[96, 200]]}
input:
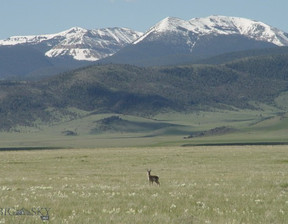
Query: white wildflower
{"points": [[257, 201], [155, 195], [201, 204], [131, 194], [131, 211], [173, 206]]}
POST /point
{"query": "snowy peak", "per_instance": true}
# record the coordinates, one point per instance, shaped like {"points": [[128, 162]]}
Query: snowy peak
{"points": [[235, 25], [216, 25], [36, 39], [75, 30], [81, 44], [92, 45], [14, 40], [169, 24]]}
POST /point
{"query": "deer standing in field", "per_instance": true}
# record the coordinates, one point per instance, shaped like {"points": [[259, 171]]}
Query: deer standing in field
{"points": [[152, 178]]}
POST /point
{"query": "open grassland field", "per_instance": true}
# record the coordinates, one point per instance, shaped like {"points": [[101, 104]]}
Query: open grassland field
{"points": [[227, 184], [166, 129]]}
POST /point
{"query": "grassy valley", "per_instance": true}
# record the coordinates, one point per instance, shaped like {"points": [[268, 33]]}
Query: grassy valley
{"points": [[215, 103], [174, 128]]}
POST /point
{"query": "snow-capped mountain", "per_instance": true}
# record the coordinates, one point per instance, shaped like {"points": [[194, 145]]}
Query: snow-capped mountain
{"points": [[215, 25], [234, 25], [172, 38], [171, 41], [81, 44]]}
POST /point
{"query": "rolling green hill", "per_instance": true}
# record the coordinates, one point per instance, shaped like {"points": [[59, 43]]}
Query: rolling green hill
{"points": [[256, 87]]}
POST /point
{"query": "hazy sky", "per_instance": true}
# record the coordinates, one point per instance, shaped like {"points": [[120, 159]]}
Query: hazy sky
{"points": [[27, 17]]}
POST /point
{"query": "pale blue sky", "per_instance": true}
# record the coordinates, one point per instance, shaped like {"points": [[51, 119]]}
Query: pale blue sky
{"points": [[27, 17]]}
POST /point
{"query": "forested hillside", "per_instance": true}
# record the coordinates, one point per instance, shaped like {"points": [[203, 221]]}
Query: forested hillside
{"points": [[144, 91]]}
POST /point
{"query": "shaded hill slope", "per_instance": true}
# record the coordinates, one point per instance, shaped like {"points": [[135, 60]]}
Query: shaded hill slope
{"points": [[161, 53], [126, 89]]}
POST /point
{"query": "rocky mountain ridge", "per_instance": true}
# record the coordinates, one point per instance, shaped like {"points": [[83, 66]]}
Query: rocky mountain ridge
{"points": [[79, 43]]}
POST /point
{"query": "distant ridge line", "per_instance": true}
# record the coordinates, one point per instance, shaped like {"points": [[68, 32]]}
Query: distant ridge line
{"points": [[235, 144], [28, 148]]}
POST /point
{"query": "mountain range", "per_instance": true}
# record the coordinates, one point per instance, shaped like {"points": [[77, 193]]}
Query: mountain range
{"points": [[174, 41], [79, 43], [171, 41], [59, 52]]}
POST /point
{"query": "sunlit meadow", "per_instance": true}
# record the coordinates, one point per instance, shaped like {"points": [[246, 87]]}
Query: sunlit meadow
{"points": [[239, 184]]}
